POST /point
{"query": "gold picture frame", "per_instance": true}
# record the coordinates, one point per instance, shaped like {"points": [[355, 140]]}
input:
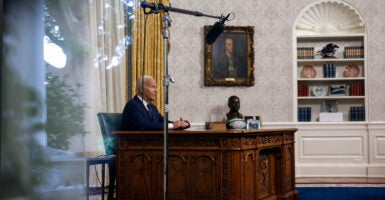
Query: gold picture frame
{"points": [[220, 69]]}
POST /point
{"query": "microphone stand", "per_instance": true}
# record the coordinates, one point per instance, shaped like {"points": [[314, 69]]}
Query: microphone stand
{"points": [[167, 78], [166, 83]]}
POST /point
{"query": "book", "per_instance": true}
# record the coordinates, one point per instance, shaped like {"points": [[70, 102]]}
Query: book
{"points": [[357, 113], [304, 114], [354, 52]]}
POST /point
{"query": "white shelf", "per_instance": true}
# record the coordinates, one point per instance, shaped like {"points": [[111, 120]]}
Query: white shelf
{"points": [[326, 37], [342, 26], [331, 60], [330, 97], [330, 79]]}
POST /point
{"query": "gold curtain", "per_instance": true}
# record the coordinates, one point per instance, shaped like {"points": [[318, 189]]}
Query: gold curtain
{"points": [[147, 49]]}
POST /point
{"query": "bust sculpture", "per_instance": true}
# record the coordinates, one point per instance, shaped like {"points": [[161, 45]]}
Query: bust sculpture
{"points": [[234, 104], [234, 119]]}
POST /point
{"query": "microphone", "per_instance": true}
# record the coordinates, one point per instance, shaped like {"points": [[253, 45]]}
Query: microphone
{"points": [[153, 6], [216, 30]]}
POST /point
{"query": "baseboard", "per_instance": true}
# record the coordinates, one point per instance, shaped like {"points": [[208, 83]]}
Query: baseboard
{"points": [[376, 171], [331, 170]]}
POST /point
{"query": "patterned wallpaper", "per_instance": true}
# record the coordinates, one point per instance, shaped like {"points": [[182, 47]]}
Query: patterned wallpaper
{"points": [[272, 96]]}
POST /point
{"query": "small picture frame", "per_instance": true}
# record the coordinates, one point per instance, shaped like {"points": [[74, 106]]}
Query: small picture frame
{"points": [[252, 122], [337, 89], [330, 106]]}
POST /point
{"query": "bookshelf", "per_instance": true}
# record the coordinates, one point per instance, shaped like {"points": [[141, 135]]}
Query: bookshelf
{"points": [[338, 79]]}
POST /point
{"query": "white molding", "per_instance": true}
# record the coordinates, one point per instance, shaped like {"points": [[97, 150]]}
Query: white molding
{"points": [[376, 171], [329, 17], [330, 170]]}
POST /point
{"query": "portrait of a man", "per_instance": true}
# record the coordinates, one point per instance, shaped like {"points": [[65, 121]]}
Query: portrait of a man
{"points": [[230, 56], [229, 61]]}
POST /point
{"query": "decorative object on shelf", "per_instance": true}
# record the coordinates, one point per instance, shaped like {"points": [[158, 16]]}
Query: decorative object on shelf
{"points": [[253, 122], [330, 106], [236, 123], [320, 91], [331, 117], [308, 71], [351, 71], [337, 89], [328, 51]]}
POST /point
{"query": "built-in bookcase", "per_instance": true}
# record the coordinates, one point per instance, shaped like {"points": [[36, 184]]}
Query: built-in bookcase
{"points": [[330, 88]]}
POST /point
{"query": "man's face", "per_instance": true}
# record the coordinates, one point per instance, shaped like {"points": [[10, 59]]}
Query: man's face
{"points": [[234, 104], [150, 90], [229, 45]]}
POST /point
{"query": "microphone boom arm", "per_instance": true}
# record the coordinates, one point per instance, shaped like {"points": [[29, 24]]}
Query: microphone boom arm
{"points": [[156, 7], [188, 12]]}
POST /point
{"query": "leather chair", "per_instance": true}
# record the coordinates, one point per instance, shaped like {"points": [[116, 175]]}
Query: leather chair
{"points": [[110, 122]]}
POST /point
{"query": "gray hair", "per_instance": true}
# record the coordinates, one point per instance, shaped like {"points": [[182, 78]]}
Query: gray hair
{"points": [[141, 81]]}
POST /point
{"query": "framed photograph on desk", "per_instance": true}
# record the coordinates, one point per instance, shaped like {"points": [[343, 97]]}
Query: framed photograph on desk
{"points": [[252, 122], [229, 60]]}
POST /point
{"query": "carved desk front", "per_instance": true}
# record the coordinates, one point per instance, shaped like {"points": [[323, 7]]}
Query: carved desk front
{"points": [[207, 164]]}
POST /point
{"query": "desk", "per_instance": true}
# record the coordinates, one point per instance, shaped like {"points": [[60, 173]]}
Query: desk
{"points": [[207, 164]]}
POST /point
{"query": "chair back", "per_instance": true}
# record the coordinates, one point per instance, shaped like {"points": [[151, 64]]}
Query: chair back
{"points": [[109, 122]]}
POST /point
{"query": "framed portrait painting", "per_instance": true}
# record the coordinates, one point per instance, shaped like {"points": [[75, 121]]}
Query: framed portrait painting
{"points": [[229, 61]]}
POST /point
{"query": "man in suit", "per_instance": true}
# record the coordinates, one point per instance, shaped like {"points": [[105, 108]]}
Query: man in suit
{"points": [[140, 114]]}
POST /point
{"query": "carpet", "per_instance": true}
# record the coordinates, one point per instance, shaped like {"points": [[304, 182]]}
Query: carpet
{"points": [[341, 193]]}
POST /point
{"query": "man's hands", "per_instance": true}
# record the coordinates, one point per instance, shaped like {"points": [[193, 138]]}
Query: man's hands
{"points": [[181, 124]]}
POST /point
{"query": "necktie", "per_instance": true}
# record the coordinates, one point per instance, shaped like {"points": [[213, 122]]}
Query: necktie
{"points": [[149, 106]]}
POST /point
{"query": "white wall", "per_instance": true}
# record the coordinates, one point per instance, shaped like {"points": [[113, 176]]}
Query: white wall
{"points": [[272, 95], [321, 149]]}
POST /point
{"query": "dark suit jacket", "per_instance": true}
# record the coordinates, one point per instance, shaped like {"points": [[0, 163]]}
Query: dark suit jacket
{"points": [[136, 117]]}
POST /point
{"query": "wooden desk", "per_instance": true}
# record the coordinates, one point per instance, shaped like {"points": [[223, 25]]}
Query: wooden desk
{"points": [[207, 164]]}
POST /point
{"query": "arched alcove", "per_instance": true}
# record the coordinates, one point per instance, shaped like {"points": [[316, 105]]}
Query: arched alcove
{"points": [[329, 23], [329, 18], [330, 89]]}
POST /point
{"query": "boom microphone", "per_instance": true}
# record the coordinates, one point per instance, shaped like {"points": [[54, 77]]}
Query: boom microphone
{"points": [[145, 4], [153, 6], [216, 30]]}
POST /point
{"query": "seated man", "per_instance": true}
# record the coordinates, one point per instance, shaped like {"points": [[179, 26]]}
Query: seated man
{"points": [[140, 114]]}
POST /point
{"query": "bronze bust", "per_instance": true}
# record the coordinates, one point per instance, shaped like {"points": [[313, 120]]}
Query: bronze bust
{"points": [[234, 104]]}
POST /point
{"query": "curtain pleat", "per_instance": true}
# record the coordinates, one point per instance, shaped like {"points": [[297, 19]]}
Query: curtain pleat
{"points": [[106, 16]]}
